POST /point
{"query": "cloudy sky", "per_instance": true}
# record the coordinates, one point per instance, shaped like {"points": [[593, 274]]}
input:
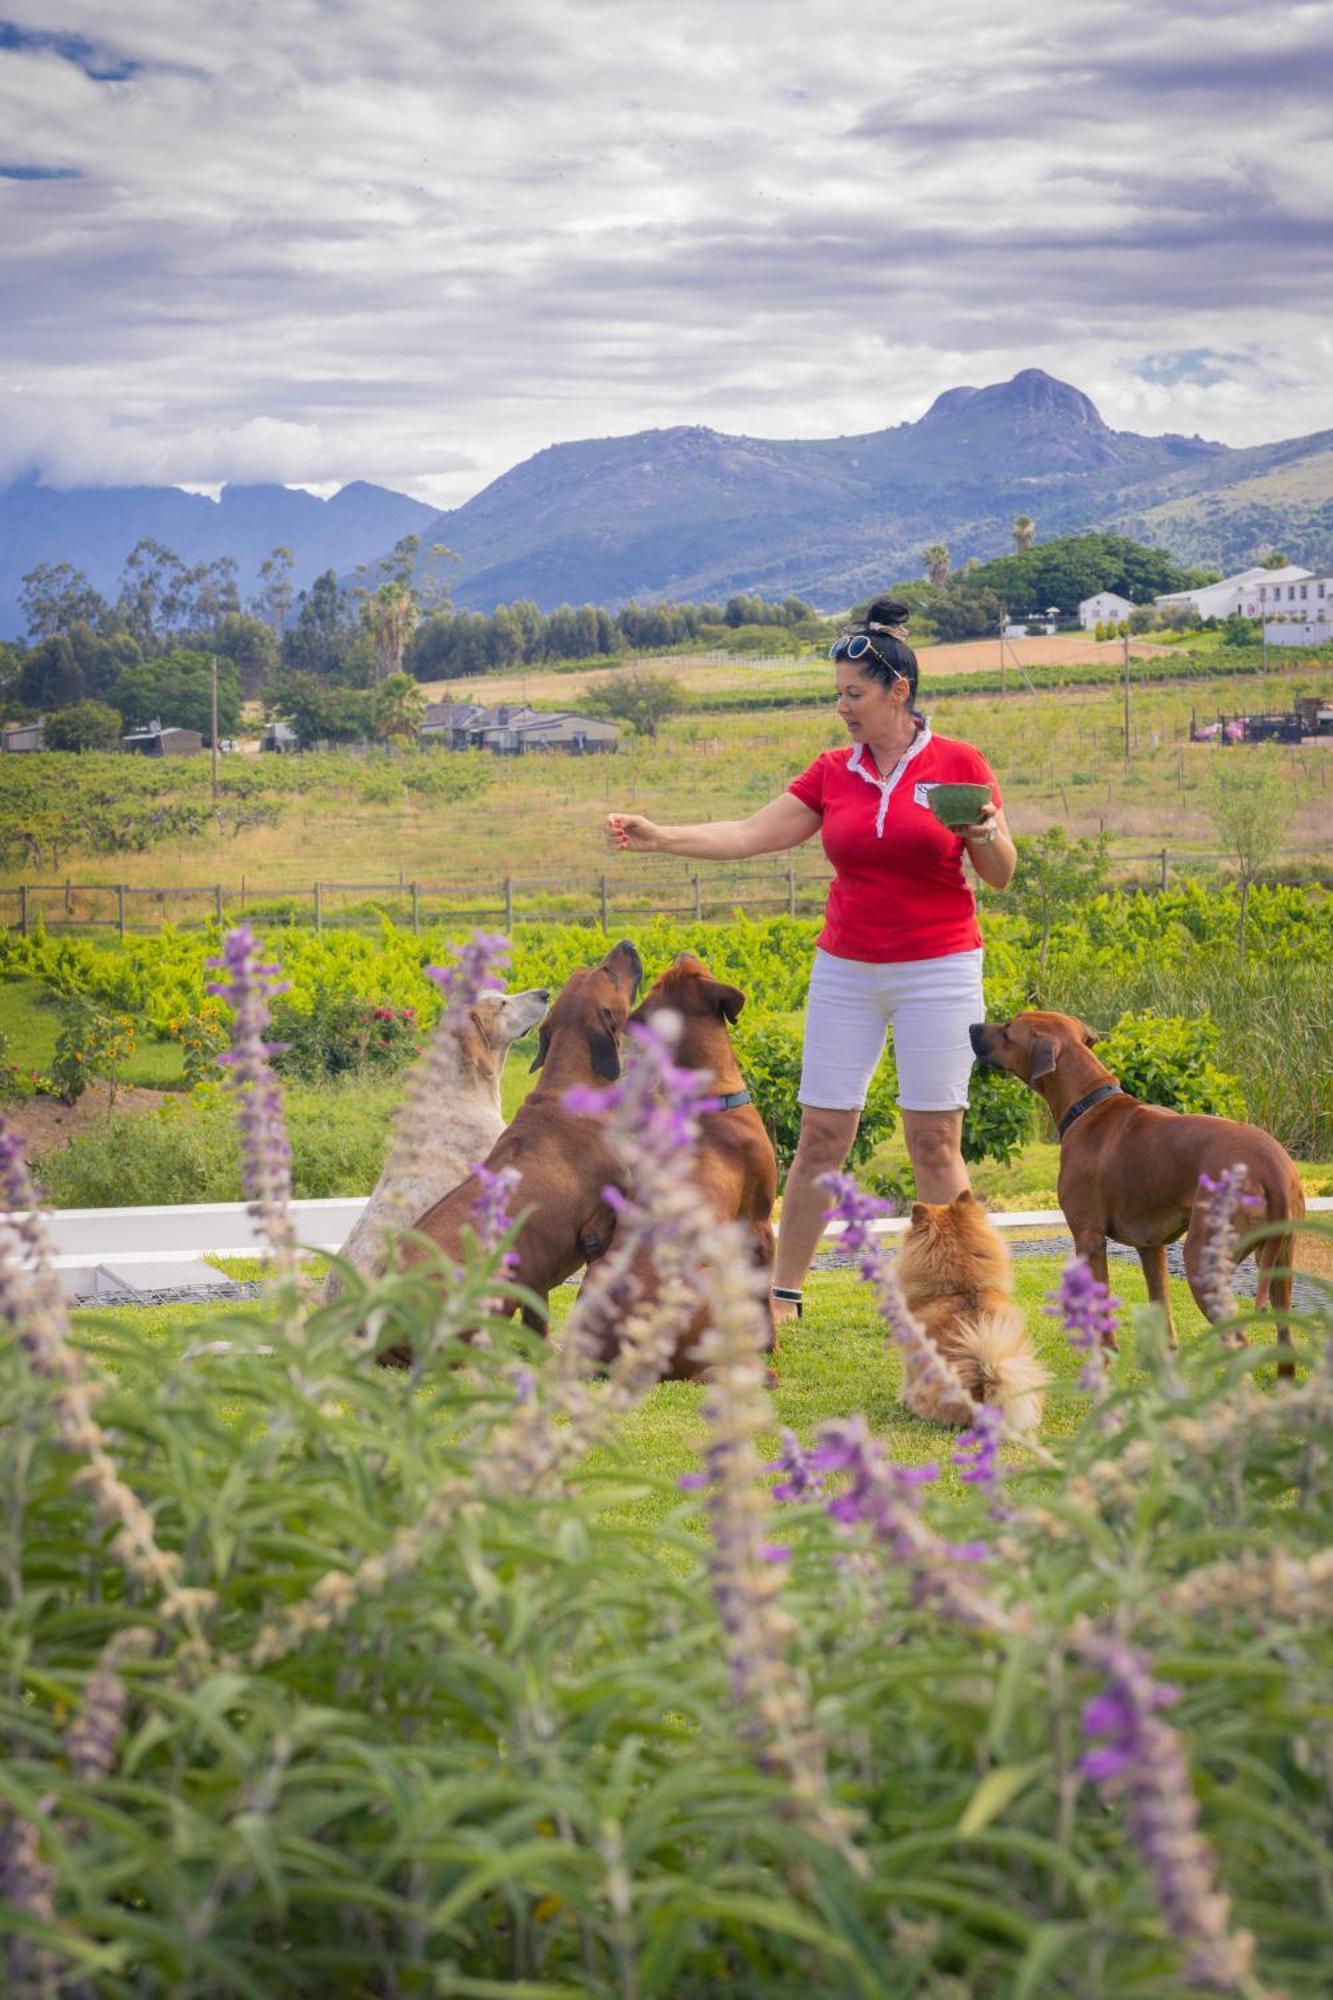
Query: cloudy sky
{"points": [[415, 240]]}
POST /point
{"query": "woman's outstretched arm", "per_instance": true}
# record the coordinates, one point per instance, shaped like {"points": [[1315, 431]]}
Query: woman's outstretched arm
{"points": [[783, 822]]}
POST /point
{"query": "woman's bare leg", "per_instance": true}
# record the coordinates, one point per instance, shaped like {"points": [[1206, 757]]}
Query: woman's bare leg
{"points": [[826, 1139], [934, 1146]]}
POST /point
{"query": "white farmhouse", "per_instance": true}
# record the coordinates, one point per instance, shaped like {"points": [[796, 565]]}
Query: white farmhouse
{"points": [[1105, 608], [1233, 593], [1299, 613]]}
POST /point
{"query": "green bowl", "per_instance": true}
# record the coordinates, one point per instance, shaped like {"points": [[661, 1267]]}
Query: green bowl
{"points": [[958, 805]]}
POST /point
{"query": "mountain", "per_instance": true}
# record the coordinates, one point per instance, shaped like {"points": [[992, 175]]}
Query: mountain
{"points": [[96, 527], [695, 513]]}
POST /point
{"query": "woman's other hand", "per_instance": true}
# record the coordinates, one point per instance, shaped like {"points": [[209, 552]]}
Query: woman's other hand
{"points": [[984, 828], [631, 832]]}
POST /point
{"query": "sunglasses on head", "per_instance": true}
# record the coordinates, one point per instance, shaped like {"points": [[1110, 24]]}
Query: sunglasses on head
{"points": [[855, 645]]}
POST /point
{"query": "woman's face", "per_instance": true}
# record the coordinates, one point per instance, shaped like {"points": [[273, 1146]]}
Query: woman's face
{"points": [[867, 708]]}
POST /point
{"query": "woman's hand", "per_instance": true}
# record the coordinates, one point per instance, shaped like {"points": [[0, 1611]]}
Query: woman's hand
{"points": [[631, 832], [984, 828]]}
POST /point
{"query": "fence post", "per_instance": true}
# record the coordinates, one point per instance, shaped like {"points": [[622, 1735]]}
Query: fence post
{"points": [[23, 909], [698, 899], [319, 912], [120, 907], [217, 901], [69, 896], [509, 902], [416, 906], [791, 892], [601, 885], [1164, 869]]}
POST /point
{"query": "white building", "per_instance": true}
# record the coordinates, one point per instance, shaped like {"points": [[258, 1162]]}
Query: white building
{"points": [[1299, 613], [1106, 607], [1234, 593]]}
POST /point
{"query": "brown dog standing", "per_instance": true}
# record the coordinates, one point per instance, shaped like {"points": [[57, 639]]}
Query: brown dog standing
{"points": [[1130, 1171], [562, 1161], [735, 1167]]}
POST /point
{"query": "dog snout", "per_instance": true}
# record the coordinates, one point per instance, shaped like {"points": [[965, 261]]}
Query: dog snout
{"points": [[976, 1034]]}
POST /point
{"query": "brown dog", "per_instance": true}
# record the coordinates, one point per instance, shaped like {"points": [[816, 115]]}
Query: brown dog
{"points": [[735, 1167], [956, 1277], [561, 1158], [1130, 1171]]}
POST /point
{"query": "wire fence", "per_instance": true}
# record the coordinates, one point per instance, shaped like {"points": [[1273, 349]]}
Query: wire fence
{"points": [[714, 894]]}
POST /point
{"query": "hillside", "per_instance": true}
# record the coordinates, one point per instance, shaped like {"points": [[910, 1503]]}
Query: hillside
{"points": [[692, 513]]}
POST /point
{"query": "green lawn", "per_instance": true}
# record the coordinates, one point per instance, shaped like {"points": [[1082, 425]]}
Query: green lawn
{"points": [[30, 1021], [836, 1361]]}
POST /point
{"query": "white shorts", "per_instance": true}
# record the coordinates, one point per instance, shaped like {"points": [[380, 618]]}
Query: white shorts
{"points": [[928, 1002]]}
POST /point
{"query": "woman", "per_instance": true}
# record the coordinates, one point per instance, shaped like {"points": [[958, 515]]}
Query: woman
{"points": [[900, 946]]}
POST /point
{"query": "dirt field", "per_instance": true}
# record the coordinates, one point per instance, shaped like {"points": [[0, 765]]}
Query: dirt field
{"points": [[707, 672]]}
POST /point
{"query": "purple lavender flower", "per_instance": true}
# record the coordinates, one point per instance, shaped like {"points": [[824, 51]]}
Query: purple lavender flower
{"points": [[856, 1210], [266, 1156], [490, 1211], [1217, 1258], [476, 970], [800, 1478], [1089, 1313], [977, 1457], [1138, 1758], [886, 1498]]}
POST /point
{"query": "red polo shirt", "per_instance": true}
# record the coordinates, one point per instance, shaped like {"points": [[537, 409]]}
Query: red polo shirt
{"points": [[898, 890]]}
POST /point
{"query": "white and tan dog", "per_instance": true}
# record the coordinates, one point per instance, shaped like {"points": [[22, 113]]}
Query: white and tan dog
{"points": [[465, 1111]]}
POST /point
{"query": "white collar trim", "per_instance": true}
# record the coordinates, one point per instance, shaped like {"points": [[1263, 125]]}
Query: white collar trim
{"points": [[886, 786]]}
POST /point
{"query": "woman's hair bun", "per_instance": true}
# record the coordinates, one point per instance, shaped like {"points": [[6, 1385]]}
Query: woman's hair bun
{"points": [[888, 611]]}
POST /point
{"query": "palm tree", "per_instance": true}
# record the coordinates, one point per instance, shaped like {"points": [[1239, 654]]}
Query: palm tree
{"points": [[936, 559], [391, 614], [1025, 532]]}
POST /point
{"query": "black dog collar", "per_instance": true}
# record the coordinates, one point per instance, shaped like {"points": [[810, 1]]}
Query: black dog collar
{"points": [[729, 1102], [1085, 1104]]}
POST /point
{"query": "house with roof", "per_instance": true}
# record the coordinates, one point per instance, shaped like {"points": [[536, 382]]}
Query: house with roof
{"points": [[1106, 608], [1299, 613], [1241, 593], [24, 735], [512, 729], [159, 741]]}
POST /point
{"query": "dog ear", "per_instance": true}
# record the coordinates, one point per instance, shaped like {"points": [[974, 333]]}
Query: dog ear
{"points": [[543, 1044], [919, 1211], [727, 999], [964, 1199], [1045, 1056], [604, 1047], [1090, 1037], [476, 1044]]}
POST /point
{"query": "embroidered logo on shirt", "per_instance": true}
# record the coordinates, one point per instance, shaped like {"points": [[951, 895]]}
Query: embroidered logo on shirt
{"points": [[921, 794]]}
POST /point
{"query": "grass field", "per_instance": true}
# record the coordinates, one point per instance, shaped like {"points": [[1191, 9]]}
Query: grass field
{"points": [[836, 1361], [1059, 758]]}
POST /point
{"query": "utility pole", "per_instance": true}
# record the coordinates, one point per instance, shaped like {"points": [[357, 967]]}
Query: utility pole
{"points": [[213, 701], [1125, 644]]}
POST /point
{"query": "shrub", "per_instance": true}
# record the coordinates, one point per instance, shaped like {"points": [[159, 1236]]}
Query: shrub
{"points": [[91, 1046], [336, 1034], [998, 1120], [1167, 1060]]}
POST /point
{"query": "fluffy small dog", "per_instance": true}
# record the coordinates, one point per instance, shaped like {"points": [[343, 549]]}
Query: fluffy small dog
{"points": [[954, 1271]]}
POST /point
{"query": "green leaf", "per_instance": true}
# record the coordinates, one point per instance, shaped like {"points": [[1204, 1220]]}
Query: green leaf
{"points": [[997, 1790]]}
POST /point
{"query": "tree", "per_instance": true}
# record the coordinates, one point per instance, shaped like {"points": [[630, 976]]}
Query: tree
{"points": [[642, 700], [51, 676], [328, 637], [55, 596], [398, 709], [1024, 532], [318, 713], [1249, 802], [1276, 561], [936, 560], [88, 725], [391, 618], [277, 593], [250, 646], [156, 593], [177, 691], [1055, 878]]}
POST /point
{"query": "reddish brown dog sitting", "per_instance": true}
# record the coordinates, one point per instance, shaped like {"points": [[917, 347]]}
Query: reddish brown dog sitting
{"points": [[561, 1159], [1130, 1171], [735, 1166]]}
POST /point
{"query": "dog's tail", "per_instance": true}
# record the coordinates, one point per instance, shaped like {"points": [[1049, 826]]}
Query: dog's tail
{"points": [[995, 1359]]}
